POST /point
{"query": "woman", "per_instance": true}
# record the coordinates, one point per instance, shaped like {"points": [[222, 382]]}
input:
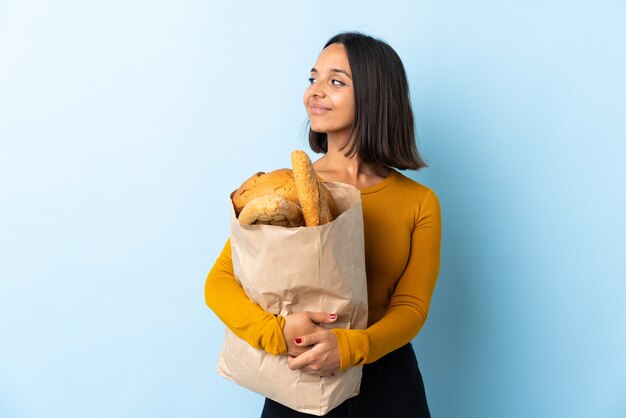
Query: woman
{"points": [[361, 120]]}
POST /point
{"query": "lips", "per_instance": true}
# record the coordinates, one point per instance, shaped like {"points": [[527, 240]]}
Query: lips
{"points": [[317, 109]]}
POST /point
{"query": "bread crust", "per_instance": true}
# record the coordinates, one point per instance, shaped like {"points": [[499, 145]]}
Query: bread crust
{"points": [[278, 182], [328, 207], [271, 210], [307, 187], [291, 197]]}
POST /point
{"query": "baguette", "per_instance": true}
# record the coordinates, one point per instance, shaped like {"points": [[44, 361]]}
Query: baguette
{"points": [[307, 187]]}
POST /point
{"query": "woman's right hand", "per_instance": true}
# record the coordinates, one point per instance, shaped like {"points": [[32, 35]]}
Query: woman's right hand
{"points": [[303, 323]]}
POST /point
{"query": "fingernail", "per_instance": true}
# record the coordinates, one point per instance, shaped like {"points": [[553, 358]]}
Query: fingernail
{"points": [[298, 340], [332, 316]]}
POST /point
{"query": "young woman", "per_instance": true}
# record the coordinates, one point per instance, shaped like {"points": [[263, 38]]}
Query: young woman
{"points": [[361, 120]]}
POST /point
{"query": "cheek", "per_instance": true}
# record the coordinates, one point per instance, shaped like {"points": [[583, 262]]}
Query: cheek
{"points": [[348, 107]]}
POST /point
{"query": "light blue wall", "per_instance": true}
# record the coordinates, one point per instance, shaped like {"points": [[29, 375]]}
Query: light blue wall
{"points": [[125, 124]]}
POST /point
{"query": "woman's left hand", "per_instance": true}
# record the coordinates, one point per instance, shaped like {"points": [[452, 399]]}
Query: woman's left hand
{"points": [[323, 359]]}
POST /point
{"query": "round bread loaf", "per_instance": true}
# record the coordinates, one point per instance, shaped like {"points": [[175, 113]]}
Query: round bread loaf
{"points": [[271, 210], [278, 182], [285, 197]]}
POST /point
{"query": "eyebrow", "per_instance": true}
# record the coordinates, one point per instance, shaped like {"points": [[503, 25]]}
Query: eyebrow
{"points": [[334, 70]]}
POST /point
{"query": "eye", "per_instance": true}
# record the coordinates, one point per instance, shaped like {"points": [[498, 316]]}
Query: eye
{"points": [[338, 83], [311, 80]]}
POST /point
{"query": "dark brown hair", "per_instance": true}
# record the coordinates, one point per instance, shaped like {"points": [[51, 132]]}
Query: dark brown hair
{"points": [[383, 126]]}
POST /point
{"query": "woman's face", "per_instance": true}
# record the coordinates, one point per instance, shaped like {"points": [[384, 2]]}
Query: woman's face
{"points": [[329, 100]]}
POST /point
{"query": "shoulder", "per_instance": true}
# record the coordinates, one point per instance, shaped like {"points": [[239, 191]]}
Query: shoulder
{"points": [[420, 200], [412, 189]]}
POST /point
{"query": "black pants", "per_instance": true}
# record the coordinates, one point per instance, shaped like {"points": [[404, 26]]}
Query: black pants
{"points": [[391, 387]]}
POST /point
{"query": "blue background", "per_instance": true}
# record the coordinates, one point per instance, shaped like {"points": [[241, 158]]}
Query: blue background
{"points": [[124, 125]]}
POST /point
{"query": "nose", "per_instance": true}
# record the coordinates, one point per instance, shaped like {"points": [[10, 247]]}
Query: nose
{"points": [[317, 90]]}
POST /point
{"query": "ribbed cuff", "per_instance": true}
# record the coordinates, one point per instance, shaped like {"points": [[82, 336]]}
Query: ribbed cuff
{"points": [[353, 347], [276, 344]]}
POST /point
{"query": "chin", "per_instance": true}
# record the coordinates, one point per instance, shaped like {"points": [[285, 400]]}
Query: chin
{"points": [[318, 129]]}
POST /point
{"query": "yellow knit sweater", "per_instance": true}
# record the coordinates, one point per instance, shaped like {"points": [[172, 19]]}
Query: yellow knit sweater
{"points": [[402, 225]]}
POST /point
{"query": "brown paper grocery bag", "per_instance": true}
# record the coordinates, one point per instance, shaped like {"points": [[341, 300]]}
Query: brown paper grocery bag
{"points": [[288, 270]]}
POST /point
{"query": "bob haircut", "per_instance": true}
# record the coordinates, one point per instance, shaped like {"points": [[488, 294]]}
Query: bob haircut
{"points": [[383, 127]]}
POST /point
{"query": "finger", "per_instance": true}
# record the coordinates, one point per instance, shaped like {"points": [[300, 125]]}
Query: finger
{"points": [[311, 339], [322, 317], [306, 363], [296, 351], [299, 362]]}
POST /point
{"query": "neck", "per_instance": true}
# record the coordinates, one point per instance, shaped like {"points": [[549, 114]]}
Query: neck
{"points": [[351, 169]]}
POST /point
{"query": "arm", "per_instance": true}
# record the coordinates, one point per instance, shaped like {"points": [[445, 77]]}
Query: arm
{"points": [[406, 314], [410, 302], [225, 296]]}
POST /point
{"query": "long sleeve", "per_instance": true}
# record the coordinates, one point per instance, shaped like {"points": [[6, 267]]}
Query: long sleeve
{"points": [[409, 303], [225, 296]]}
